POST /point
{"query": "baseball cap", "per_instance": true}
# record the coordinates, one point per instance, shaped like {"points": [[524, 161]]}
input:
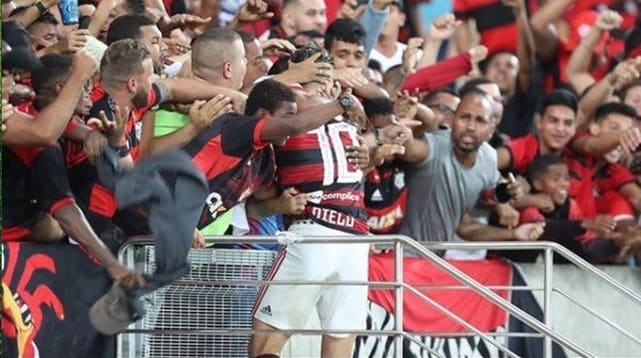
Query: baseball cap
{"points": [[22, 58], [15, 35], [580, 25], [114, 311]]}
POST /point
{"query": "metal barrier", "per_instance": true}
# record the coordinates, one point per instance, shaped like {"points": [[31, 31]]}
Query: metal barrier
{"points": [[142, 347]]}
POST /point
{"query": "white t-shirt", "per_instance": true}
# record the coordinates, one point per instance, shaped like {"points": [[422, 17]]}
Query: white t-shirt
{"points": [[396, 59]]}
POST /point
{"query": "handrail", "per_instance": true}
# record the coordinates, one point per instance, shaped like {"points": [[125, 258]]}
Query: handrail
{"points": [[541, 245], [423, 250], [599, 316], [399, 284]]}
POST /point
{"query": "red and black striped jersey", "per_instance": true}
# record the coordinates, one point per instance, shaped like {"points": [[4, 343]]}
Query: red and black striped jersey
{"points": [[133, 131], [96, 201], [34, 182], [235, 161], [315, 163], [385, 197]]}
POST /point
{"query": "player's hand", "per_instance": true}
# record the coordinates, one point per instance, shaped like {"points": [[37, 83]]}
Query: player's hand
{"points": [[528, 232], [291, 202], [203, 114]]}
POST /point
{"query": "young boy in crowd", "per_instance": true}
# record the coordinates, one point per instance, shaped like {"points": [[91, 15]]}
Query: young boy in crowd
{"points": [[566, 224]]}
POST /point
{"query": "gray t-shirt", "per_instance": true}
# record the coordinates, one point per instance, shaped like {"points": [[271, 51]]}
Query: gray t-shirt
{"points": [[441, 190]]}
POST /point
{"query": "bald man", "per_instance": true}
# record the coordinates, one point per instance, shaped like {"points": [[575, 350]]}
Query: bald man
{"points": [[218, 57]]}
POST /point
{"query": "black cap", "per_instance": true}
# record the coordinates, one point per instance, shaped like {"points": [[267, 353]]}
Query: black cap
{"points": [[21, 57], [15, 35]]}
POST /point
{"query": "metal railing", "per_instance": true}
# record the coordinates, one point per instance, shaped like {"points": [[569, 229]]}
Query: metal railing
{"points": [[399, 243]]}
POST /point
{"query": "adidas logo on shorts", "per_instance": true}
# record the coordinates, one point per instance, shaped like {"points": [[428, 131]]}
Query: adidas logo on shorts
{"points": [[266, 310]]}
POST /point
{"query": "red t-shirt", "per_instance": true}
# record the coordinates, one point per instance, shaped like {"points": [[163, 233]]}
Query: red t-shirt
{"points": [[523, 150], [589, 181]]}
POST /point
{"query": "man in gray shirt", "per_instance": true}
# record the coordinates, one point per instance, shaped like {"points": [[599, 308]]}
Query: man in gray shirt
{"points": [[451, 169]]}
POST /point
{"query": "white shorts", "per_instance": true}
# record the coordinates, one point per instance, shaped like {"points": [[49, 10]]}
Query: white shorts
{"points": [[339, 307]]}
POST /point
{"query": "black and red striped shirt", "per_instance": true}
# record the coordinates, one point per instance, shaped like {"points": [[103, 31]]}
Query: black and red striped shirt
{"points": [[34, 182], [133, 131], [315, 163], [385, 197], [235, 161]]}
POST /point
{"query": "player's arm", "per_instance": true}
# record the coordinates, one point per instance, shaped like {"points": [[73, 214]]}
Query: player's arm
{"points": [[310, 118]]}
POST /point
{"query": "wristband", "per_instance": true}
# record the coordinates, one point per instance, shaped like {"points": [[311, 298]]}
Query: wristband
{"points": [[41, 7]]}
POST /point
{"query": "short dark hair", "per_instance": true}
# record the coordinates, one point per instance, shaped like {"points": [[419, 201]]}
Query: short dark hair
{"points": [[541, 164], [127, 27], [269, 95], [346, 30], [381, 106], [432, 94], [560, 97], [607, 109], [474, 83], [55, 70]]}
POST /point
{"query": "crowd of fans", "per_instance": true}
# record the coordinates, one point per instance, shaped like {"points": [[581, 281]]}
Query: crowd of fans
{"points": [[443, 120]]}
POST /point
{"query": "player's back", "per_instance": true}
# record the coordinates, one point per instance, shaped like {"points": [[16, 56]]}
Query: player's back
{"points": [[315, 163]]}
